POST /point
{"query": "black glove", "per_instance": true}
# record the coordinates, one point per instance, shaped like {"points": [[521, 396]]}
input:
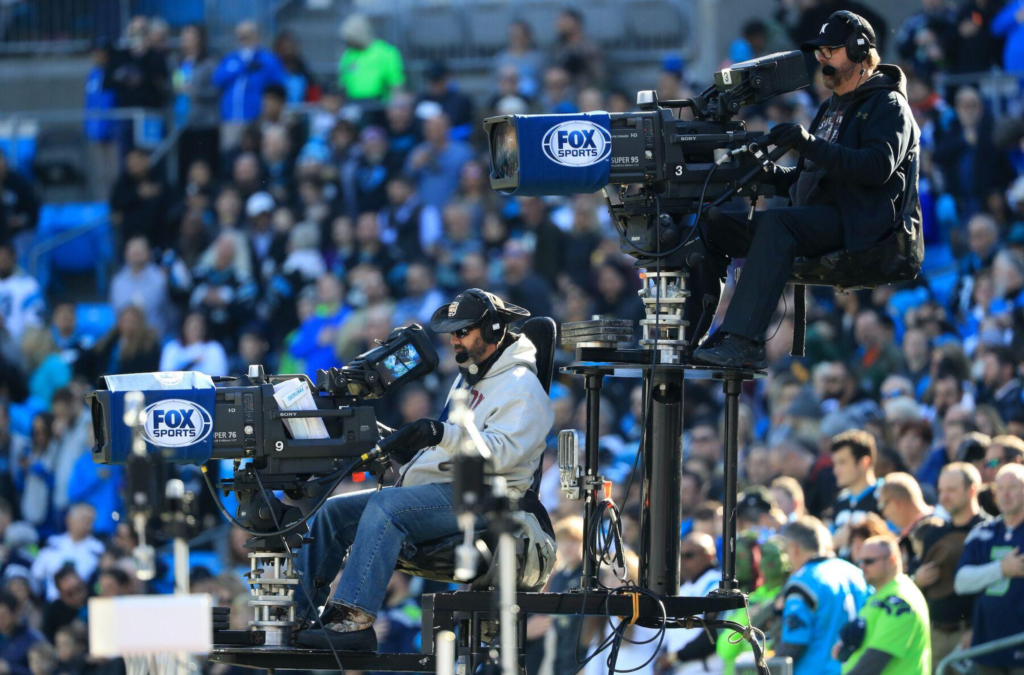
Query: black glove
{"points": [[790, 136], [852, 634], [411, 438]]}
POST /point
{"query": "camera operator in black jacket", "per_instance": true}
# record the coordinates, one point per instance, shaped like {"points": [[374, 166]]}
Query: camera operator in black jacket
{"points": [[848, 191]]}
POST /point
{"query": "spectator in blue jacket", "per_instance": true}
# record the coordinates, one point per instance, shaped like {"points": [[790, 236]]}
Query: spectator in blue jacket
{"points": [[100, 131], [242, 76], [822, 595], [1009, 25]]}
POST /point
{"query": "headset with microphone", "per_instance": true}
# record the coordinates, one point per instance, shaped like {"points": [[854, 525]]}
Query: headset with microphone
{"points": [[492, 327], [858, 44]]}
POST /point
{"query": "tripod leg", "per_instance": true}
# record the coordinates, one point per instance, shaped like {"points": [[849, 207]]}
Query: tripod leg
{"points": [[732, 405]]}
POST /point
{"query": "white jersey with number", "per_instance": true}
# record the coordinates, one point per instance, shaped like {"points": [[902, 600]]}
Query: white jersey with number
{"points": [[21, 304]]}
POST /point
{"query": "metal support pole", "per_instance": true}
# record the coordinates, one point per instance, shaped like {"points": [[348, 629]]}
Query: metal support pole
{"points": [[593, 383], [661, 511], [732, 406]]}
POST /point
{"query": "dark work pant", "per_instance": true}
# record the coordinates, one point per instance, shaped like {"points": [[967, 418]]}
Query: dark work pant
{"points": [[770, 243]]}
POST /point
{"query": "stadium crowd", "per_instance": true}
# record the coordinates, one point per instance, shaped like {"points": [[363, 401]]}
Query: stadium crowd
{"points": [[883, 472]]}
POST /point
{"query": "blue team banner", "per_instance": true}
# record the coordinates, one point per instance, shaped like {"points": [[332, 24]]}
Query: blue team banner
{"points": [[178, 415], [563, 154]]}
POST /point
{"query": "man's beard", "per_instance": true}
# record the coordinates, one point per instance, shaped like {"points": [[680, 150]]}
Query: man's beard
{"points": [[475, 356], [833, 81]]}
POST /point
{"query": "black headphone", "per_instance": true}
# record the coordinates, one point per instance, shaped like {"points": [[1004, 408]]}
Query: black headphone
{"points": [[859, 44], [492, 328]]}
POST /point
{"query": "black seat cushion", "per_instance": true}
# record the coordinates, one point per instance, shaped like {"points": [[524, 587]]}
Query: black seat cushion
{"points": [[896, 258]]}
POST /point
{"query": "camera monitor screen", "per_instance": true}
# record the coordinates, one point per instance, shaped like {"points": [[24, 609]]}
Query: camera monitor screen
{"points": [[399, 363]]}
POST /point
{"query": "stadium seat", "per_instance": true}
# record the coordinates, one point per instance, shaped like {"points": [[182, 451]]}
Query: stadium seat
{"points": [[433, 32], [177, 13], [20, 150], [656, 22], [542, 20], [488, 26], [94, 319], [940, 257], [604, 24], [92, 250]]}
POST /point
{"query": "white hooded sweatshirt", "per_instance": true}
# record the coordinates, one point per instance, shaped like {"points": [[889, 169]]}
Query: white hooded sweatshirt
{"points": [[514, 416]]}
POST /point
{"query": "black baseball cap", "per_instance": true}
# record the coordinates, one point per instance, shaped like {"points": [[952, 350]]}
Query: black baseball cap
{"points": [[468, 309], [755, 500], [835, 32]]}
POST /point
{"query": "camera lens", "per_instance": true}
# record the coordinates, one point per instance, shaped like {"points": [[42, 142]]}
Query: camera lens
{"points": [[506, 151]]}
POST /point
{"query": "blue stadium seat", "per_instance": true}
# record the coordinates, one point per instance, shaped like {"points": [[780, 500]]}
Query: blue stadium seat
{"points": [[94, 319], [937, 257], [20, 151], [178, 13], [942, 285], [91, 251]]}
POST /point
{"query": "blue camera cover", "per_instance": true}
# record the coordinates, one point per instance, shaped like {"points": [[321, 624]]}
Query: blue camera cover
{"points": [[563, 154], [178, 415]]}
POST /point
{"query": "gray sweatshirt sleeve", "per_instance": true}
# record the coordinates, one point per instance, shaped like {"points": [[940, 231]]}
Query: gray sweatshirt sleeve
{"points": [[972, 579]]}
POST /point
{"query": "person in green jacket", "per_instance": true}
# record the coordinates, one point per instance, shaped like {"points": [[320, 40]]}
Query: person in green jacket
{"points": [[370, 69], [766, 568], [891, 635]]}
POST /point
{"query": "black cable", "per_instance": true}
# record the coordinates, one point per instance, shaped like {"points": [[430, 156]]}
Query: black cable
{"points": [[305, 591], [216, 500], [785, 311], [696, 224], [598, 544]]}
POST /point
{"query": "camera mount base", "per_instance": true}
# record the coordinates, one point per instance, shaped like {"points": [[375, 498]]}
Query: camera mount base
{"points": [[661, 458], [474, 615]]}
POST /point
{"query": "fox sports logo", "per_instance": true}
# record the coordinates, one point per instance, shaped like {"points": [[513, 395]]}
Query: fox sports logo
{"points": [[176, 423], [577, 143]]}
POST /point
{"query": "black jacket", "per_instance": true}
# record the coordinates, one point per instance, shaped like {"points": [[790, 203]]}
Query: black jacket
{"points": [[866, 171]]}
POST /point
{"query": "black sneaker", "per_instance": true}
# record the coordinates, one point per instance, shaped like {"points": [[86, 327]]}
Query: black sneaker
{"points": [[733, 351]]}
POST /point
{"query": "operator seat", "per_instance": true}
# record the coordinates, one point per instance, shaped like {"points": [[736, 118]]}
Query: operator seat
{"points": [[895, 259], [535, 538]]}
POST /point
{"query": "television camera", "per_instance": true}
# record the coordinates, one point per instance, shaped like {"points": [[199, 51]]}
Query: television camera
{"points": [[190, 418]]}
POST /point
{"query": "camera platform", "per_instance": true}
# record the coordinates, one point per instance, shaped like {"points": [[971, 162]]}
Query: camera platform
{"points": [[474, 615], [663, 381]]}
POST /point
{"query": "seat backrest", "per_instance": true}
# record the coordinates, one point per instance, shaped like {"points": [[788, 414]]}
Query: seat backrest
{"points": [[543, 333]]}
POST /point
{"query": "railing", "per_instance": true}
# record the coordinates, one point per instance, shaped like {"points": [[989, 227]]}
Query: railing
{"points": [[468, 33], [71, 26], [980, 650], [40, 249], [1001, 90], [36, 139], [59, 26]]}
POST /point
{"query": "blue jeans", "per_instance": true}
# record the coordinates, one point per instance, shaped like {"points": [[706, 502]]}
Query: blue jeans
{"points": [[378, 526]]}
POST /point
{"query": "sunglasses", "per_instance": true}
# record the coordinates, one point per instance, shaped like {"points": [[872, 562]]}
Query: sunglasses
{"points": [[993, 464], [827, 52], [463, 332], [688, 555], [864, 562]]}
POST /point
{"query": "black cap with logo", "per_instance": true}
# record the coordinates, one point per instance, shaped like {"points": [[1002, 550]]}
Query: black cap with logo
{"points": [[469, 308], [837, 30]]}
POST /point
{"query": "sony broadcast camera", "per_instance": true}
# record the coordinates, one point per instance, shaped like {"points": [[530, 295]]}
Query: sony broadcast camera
{"points": [[191, 418], [655, 169]]}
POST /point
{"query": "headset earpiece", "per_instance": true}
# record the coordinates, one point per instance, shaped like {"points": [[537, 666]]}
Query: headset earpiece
{"points": [[491, 327], [858, 45]]}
